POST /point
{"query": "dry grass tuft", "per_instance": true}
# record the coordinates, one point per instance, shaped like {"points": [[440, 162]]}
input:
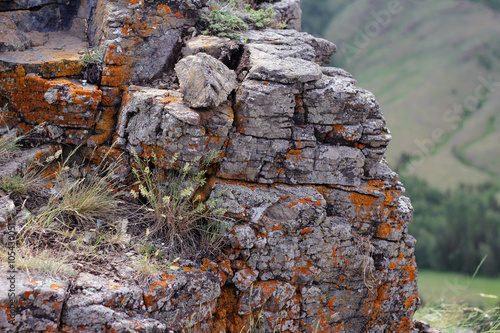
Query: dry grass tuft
{"points": [[45, 261], [460, 317], [85, 219], [174, 212]]}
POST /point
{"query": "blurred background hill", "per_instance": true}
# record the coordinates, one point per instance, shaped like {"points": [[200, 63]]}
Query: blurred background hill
{"points": [[434, 67]]}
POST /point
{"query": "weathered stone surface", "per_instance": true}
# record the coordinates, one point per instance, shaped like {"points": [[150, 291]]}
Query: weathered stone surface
{"points": [[210, 45], [204, 80], [160, 119], [321, 241], [294, 234], [21, 162], [198, 292], [290, 44], [339, 103], [46, 56], [284, 70], [63, 103], [39, 303], [147, 34], [28, 24], [98, 304], [271, 161], [289, 13], [265, 109]]}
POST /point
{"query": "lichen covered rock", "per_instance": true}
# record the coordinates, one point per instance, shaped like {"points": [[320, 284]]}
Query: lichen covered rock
{"points": [[321, 242], [159, 120]]}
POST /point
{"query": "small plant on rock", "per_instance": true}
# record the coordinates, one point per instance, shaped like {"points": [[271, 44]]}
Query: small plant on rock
{"points": [[177, 214], [223, 20], [227, 19], [261, 18], [92, 61], [151, 262], [81, 197], [44, 261], [10, 142], [92, 56], [19, 183]]}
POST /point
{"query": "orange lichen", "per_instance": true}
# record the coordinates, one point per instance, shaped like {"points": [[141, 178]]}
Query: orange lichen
{"points": [[225, 313], [114, 56], [113, 76], [384, 230], [362, 201], [405, 325], [411, 271], [306, 231], [303, 201], [239, 264], [359, 145], [374, 185], [165, 100], [239, 124], [107, 122], [29, 99], [373, 305], [294, 154], [98, 139], [142, 29], [391, 195], [304, 270], [330, 304], [411, 301], [164, 9], [58, 68], [109, 96]]}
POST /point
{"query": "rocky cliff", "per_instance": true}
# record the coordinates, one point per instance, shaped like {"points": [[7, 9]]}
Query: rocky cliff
{"points": [[320, 243]]}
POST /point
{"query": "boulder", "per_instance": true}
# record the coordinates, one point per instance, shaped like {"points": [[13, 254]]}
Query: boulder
{"points": [[204, 80]]}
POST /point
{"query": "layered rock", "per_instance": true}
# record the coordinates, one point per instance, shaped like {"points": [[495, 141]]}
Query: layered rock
{"points": [[321, 242]]}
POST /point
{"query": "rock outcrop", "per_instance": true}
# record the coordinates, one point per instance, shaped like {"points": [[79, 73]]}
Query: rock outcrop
{"points": [[321, 243]]}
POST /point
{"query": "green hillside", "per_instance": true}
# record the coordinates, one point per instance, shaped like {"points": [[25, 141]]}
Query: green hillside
{"points": [[428, 63]]}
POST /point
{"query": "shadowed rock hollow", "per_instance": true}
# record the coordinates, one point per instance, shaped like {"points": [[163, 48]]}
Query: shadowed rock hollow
{"points": [[321, 242]]}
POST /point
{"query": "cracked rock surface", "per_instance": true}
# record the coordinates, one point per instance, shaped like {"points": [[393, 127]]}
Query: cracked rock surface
{"points": [[321, 239]]}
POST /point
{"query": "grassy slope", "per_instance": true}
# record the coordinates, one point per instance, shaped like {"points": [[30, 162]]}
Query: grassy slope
{"points": [[423, 63], [436, 286]]}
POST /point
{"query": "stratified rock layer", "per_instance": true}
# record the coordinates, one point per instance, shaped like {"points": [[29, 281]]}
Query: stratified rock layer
{"points": [[321, 242]]}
